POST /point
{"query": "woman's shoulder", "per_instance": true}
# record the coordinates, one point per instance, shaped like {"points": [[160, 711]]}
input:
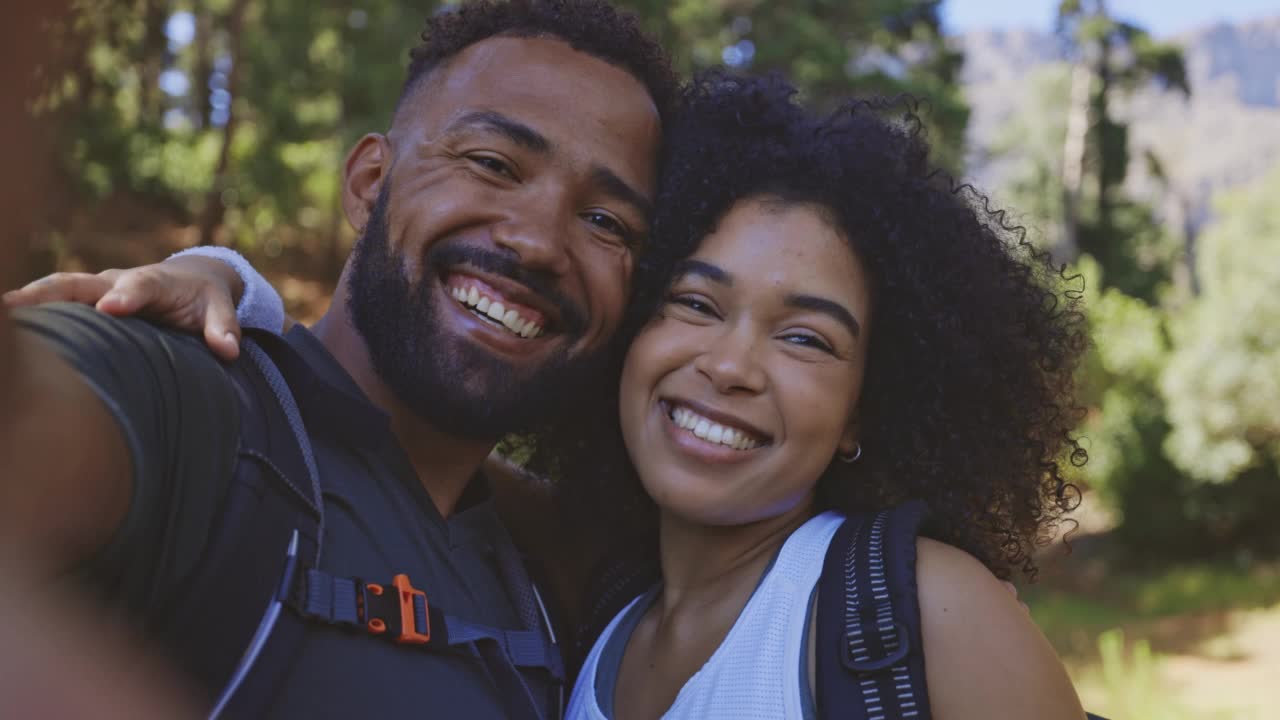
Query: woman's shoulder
{"points": [[983, 653]]}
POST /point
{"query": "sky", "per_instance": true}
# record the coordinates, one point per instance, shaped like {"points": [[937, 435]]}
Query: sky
{"points": [[1162, 17]]}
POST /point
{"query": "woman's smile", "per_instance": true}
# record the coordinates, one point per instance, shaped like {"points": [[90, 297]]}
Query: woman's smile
{"points": [[708, 435]]}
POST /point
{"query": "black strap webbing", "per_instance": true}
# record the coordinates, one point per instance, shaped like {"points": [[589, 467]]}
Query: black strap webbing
{"points": [[351, 602], [870, 657]]}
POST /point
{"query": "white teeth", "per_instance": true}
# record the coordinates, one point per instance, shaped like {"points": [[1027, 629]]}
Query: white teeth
{"points": [[702, 428], [712, 432], [509, 318]]}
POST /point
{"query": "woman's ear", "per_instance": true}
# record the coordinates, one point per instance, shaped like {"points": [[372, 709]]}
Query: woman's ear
{"points": [[366, 168], [849, 444]]}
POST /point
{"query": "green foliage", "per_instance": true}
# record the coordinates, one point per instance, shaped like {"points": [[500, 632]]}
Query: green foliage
{"points": [[1222, 384], [1126, 428], [832, 50], [311, 78]]}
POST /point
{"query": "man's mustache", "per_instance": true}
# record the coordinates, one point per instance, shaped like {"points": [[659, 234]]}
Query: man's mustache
{"points": [[573, 319]]}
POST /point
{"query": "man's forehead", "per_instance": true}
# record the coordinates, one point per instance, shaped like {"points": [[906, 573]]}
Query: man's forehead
{"points": [[591, 111], [538, 78]]}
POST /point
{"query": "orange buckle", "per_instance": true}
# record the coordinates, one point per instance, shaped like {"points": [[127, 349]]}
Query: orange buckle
{"points": [[410, 614]]}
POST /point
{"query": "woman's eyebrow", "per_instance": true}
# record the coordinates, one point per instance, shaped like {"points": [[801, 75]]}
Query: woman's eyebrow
{"points": [[703, 269], [826, 307]]}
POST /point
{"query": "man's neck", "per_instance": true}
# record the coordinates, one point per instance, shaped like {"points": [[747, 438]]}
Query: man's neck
{"points": [[444, 463]]}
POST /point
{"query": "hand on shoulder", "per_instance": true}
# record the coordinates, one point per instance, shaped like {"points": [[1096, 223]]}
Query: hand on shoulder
{"points": [[984, 656]]}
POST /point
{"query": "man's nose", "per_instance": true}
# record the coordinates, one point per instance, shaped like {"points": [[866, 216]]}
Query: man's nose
{"points": [[538, 234]]}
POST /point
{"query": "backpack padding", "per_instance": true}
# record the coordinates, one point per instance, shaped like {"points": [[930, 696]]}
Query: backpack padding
{"points": [[870, 655]]}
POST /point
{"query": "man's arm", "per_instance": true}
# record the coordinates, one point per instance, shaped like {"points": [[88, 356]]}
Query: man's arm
{"points": [[115, 429], [984, 657], [67, 473]]}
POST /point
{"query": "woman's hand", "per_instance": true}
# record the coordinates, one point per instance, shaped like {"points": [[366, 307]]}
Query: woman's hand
{"points": [[188, 293]]}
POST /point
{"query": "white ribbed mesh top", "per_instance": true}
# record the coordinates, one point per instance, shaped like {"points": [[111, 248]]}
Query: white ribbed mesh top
{"points": [[755, 673]]}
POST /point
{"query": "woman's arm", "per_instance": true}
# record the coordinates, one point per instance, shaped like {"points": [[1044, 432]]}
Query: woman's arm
{"points": [[195, 290], [260, 305], [984, 656]]}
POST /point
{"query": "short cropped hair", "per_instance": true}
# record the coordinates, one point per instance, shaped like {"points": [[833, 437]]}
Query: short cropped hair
{"points": [[594, 27]]}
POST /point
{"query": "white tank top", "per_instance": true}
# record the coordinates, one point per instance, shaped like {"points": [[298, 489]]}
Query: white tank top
{"points": [[755, 673]]}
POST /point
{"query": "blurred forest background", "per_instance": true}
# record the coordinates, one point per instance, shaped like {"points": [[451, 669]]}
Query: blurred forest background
{"points": [[1149, 165]]}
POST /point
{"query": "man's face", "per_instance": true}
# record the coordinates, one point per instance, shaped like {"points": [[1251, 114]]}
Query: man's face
{"points": [[496, 263]]}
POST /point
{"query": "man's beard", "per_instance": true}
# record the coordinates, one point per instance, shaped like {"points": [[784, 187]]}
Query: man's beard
{"points": [[459, 387]]}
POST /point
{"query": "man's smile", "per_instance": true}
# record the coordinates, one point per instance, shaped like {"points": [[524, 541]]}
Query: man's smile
{"points": [[485, 301]]}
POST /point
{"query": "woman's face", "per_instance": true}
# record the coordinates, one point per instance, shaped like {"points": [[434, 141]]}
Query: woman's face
{"points": [[739, 393]]}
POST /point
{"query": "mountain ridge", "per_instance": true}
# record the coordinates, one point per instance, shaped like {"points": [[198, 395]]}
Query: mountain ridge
{"points": [[1225, 135]]}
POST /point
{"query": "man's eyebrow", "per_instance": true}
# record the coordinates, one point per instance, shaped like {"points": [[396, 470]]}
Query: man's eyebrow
{"points": [[619, 189], [703, 269], [512, 129], [826, 307]]}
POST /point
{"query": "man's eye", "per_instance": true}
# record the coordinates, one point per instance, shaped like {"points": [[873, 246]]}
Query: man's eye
{"points": [[493, 165], [606, 222]]}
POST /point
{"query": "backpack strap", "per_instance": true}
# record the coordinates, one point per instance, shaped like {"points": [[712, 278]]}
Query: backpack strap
{"points": [[401, 613], [870, 656], [395, 611], [292, 461]]}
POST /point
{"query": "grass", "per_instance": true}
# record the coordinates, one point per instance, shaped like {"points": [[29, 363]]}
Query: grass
{"points": [[1160, 644], [1073, 617]]}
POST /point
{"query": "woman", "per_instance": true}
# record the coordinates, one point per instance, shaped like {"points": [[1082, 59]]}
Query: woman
{"points": [[846, 332], [838, 329]]}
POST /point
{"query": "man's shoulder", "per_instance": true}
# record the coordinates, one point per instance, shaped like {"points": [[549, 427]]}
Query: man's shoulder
{"points": [[73, 324]]}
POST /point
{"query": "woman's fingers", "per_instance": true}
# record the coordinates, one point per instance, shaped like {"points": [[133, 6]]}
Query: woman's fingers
{"points": [[221, 329], [60, 287]]}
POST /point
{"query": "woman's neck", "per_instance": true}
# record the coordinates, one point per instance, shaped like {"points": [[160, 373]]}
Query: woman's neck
{"points": [[708, 564]]}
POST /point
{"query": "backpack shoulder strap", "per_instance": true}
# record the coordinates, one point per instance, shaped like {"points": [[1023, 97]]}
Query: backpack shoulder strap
{"points": [[277, 442], [870, 656], [268, 352]]}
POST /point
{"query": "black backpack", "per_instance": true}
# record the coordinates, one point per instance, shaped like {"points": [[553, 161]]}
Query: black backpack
{"points": [[237, 619], [870, 655]]}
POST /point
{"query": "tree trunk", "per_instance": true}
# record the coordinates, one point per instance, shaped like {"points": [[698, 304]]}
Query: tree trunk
{"points": [[1190, 235], [154, 45], [214, 208], [203, 72], [1074, 149]]}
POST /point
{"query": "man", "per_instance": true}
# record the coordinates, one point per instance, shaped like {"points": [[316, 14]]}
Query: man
{"points": [[497, 232]]}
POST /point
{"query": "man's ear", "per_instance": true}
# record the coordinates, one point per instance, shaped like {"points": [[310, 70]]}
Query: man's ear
{"points": [[366, 169]]}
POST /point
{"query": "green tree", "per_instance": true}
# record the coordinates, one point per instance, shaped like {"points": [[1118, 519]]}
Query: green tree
{"points": [[237, 133], [832, 50], [1109, 57], [1222, 384]]}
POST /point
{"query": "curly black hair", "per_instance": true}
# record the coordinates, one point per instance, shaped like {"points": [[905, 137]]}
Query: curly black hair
{"points": [[591, 26], [968, 399]]}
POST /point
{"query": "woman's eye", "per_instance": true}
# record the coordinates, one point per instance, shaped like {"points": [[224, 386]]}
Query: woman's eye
{"points": [[694, 303], [806, 340], [493, 165]]}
